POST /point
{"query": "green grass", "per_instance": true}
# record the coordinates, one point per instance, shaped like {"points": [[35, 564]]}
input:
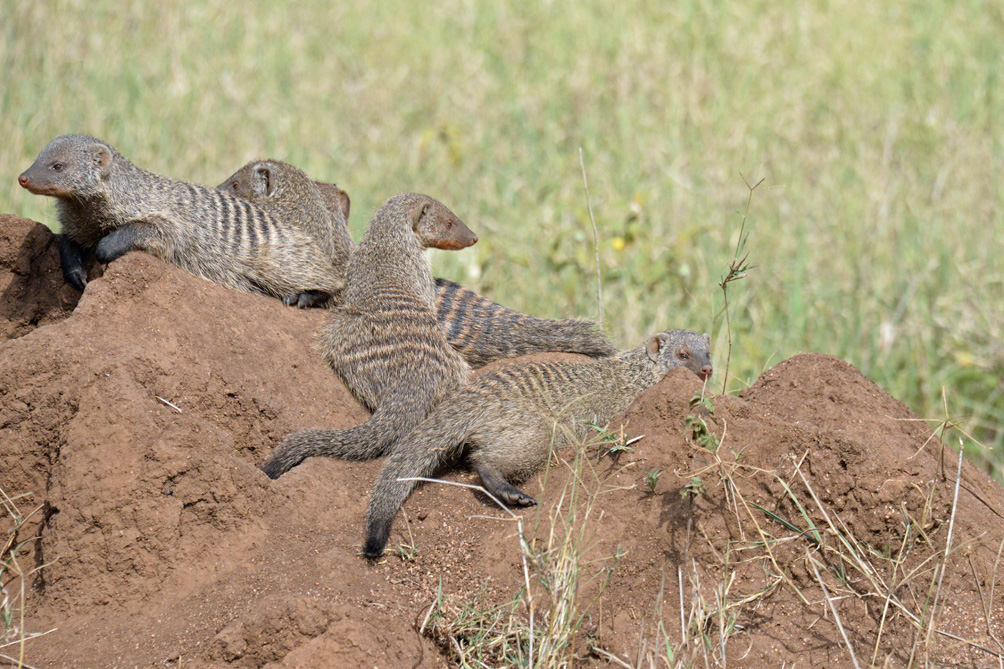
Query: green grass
{"points": [[877, 127]]}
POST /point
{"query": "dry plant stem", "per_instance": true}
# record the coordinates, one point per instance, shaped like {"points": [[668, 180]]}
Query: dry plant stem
{"points": [[19, 663], [610, 657], [948, 546], [833, 609], [885, 608], [737, 269], [683, 622], [596, 244], [983, 603], [169, 404], [524, 548], [876, 581]]}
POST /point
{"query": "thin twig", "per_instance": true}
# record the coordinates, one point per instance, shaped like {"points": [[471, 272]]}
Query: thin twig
{"points": [[833, 609], [16, 661], [737, 270], [596, 243], [524, 546], [948, 544], [610, 656], [683, 622], [169, 404]]}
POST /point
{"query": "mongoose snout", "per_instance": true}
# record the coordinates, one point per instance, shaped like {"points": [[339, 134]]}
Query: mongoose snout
{"points": [[462, 236]]}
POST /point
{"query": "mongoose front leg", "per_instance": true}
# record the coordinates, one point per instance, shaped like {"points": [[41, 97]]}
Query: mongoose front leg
{"points": [[308, 298], [71, 258], [122, 240], [496, 484]]}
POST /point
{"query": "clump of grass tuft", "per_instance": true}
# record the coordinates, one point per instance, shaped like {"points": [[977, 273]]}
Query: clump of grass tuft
{"points": [[545, 623], [14, 577], [611, 443], [737, 270]]}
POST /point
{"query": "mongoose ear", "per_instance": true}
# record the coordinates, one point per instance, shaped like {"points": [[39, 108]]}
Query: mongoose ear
{"points": [[102, 159], [654, 344], [265, 179], [416, 213], [707, 338], [344, 203]]}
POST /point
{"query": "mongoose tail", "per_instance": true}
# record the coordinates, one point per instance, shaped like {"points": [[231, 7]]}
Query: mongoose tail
{"points": [[509, 419], [396, 416], [483, 331], [436, 441]]}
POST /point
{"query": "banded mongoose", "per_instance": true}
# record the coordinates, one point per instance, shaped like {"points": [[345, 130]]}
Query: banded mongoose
{"points": [[511, 418], [481, 330], [109, 206], [287, 193], [383, 339]]}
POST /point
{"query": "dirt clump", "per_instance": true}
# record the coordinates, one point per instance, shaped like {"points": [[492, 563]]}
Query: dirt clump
{"points": [[136, 419], [32, 289]]}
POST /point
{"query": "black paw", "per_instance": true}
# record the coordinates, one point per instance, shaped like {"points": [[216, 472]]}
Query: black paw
{"points": [[76, 277], [517, 498], [107, 250], [308, 298]]}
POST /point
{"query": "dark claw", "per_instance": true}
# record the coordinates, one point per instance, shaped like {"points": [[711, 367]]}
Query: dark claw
{"points": [[71, 259], [520, 499], [76, 278], [308, 298]]}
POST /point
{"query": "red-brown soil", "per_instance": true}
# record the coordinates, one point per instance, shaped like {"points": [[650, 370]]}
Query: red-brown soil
{"points": [[164, 545]]}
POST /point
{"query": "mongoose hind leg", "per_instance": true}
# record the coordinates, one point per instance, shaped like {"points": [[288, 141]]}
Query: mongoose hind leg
{"points": [[495, 483], [308, 298], [120, 241], [71, 259]]}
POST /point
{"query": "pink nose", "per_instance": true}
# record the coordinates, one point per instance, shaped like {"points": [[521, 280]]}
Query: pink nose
{"points": [[23, 180], [707, 371]]}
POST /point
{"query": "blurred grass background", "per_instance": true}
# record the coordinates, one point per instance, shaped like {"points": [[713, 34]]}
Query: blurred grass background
{"points": [[876, 235]]}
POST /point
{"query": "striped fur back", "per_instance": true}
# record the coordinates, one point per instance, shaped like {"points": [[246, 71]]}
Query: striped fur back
{"points": [[483, 331]]}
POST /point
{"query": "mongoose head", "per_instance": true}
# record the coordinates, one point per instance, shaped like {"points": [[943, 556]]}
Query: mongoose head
{"points": [[274, 182], [263, 179], [434, 225], [71, 166], [681, 348], [335, 198]]}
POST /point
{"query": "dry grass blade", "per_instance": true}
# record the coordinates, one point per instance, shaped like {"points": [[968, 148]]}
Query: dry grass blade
{"points": [[16, 661], [596, 244], [833, 610], [948, 546]]}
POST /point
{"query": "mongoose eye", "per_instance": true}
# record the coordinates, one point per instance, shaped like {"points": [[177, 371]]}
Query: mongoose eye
{"points": [[56, 167], [449, 225], [682, 355]]}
